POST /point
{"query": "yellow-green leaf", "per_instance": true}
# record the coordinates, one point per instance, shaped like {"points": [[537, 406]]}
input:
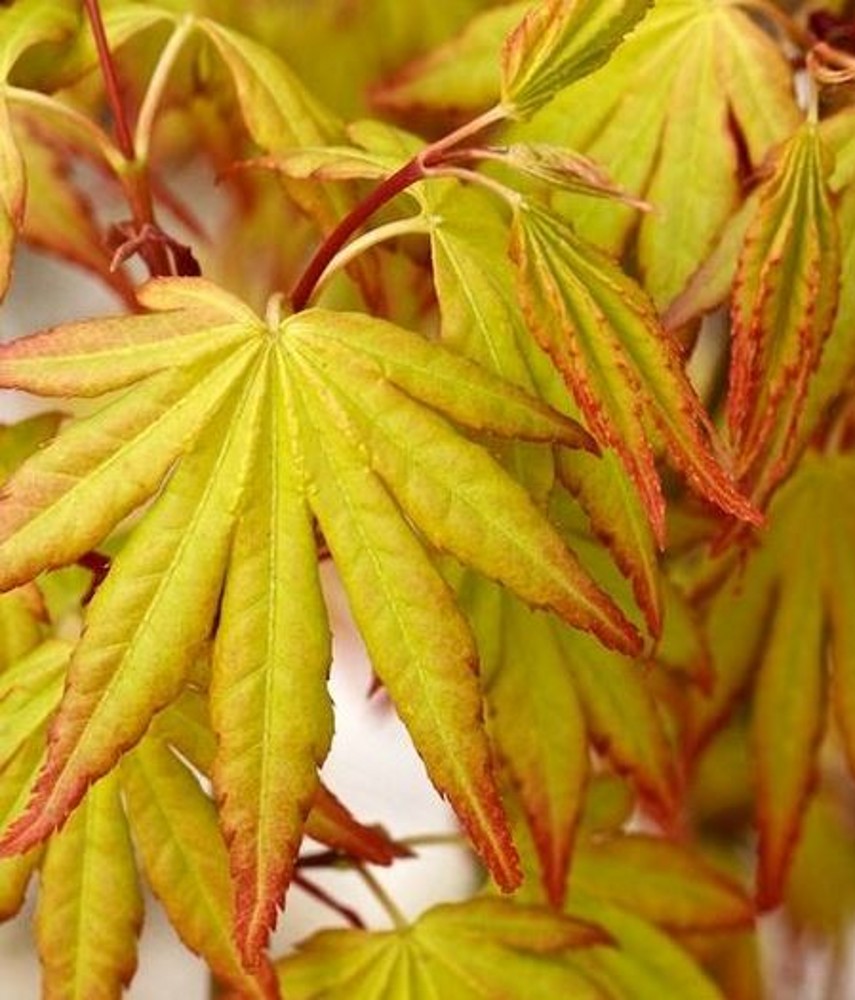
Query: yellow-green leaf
{"points": [[268, 686], [696, 81], [559, 41], [207, 426], [90, 907], [135, 650], [484, 948], [666, 883], [184, 856], [430, 672]]}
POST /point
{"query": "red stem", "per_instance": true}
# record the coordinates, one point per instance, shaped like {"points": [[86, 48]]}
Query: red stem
{"points": [[314, 890], [135, 179], [111, 82], [385, 191]]}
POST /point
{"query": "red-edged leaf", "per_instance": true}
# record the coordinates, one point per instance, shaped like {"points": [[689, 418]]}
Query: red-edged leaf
{"points": [[269, 702], [530, 690], [559, 41], [430, 674], [625, 372], [784, 303], [174, 826], [331, 823], [131, 623]]}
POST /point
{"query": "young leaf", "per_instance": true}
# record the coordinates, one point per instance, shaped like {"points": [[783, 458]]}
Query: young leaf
{"points": [[625, 372], [483, 948], [784, 303], [559, 41], [90, 908]]}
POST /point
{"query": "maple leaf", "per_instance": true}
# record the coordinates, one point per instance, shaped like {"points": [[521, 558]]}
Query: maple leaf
{"points": [[797, 603], [783, 307], [603, 334], [359, 443], [480, 948]]}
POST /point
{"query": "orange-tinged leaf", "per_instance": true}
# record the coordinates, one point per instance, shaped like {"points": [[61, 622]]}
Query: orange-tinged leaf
{"points": [[430, 673], [174, 827], [477, 950], [482, 318], [16, 777], [559, 41], [466, 505], [269, 702], [90, 907], [53, 510], [618, 519], [784, 304], [22, 25], [530, 693], [789, 700], [666, 883], [773, 621], [98, 356], [135, 651], [623, 720], [331, 823], [602, 333], [461, 76], [13, 186], [59, 217]]}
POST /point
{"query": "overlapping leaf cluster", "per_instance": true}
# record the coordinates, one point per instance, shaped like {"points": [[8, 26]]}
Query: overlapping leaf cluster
{"points": [[587, 565]]}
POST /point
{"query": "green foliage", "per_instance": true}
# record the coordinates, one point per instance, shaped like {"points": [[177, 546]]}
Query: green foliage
{"points": [[536, 321]]}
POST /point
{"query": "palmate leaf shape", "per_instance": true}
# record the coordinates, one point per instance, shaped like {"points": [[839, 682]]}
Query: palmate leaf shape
{"points": [[783, 307], [483, 948], [625, 372], [799, 603], [253, 428]]}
